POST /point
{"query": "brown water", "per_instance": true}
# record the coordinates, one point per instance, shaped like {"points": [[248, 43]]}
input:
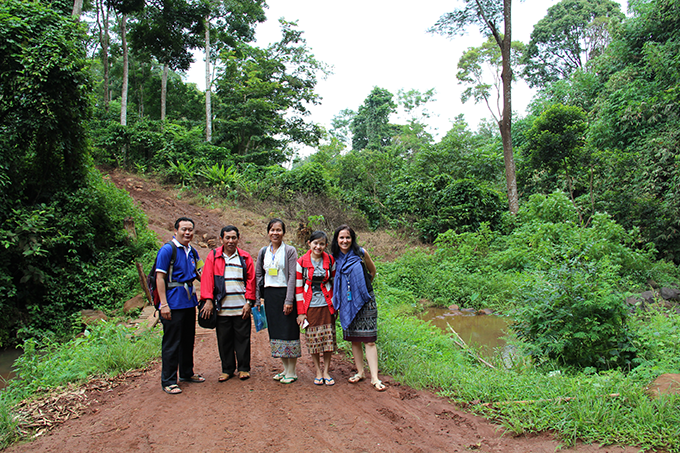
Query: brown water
{"points": [[481, 331], [7, 358]]}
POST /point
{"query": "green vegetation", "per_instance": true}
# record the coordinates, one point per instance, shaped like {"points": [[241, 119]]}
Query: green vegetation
{"points": [[62, 232], [104, 350], [580, 360], [597, 169]]}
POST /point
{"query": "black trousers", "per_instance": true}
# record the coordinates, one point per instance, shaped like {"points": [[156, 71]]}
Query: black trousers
{"points": [[177, 350], [233, 342]]}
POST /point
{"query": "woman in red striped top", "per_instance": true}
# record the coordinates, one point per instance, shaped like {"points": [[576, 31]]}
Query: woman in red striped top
{"points": [[313, 295]]}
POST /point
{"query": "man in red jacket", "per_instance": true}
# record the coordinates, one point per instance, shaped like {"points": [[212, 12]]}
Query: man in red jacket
{"points": [[228, 286]]}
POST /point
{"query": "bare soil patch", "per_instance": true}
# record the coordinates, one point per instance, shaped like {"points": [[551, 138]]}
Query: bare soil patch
{"points": [[260, 414]]}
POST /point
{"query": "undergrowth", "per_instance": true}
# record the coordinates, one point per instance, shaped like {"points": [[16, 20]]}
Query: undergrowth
{"points": [[105, 350]]}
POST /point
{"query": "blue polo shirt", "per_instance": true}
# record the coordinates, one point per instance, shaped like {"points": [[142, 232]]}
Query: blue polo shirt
{"points": [[183, 270]]}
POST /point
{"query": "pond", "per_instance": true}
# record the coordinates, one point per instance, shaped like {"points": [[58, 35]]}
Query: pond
{"points": [[484, 332], [7, 358]]}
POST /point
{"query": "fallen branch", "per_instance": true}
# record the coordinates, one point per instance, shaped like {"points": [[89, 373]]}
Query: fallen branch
{"points": [[459, 341], [554, 400]]}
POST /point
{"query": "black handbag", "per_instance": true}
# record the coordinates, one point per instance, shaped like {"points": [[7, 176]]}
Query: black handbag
{"points": [[209, 322]]}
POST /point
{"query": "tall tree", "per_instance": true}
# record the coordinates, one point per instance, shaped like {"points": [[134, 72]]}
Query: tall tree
{"points": [[231, 21], [168, 30], [571, 33], [264, 95], [487, 16], [124, 8], [371, 125], [102, 20], [481, 69]]}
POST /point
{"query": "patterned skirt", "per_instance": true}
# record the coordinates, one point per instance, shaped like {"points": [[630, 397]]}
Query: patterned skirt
{"points": [[320, 333], [284, 333], [364, 327]]}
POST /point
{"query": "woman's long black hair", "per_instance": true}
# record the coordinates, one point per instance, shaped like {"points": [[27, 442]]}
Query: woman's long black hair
{"points": [[335, 247]]}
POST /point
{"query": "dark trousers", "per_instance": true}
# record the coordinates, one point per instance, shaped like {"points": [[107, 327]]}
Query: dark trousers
{"points": [[177, 349], [233, 342]]}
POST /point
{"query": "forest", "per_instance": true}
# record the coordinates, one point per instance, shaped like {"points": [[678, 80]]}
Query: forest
{"points": [[553, 218]]}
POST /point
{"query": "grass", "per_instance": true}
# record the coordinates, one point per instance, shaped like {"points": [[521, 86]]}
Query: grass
{"points": [[105, 350], [525, 399]]}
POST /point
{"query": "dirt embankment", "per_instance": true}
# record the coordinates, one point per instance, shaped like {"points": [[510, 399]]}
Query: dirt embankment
{"points": [[260, 414]]}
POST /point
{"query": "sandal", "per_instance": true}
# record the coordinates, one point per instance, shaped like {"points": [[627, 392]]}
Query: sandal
{"points": [[288, 380], [329, 381], [223, 377], [278, 377], [318, 381], [379, 386], [172, 389], [243, 375], [194, 378], [356, 378]]}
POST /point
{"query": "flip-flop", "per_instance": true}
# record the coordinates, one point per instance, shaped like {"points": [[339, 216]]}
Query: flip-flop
{"points": [[356, 378], [223, 377], [288, 380], [194, 378], [172, 389], [379, 386], [318, 381], [329, 381], [278, 377]]}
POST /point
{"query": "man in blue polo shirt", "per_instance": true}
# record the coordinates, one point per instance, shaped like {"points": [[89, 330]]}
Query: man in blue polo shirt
{"points": [[178, 306]]}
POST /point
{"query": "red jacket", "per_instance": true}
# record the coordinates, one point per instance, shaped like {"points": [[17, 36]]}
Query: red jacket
{"points": [[303, 282], [212, 280]]}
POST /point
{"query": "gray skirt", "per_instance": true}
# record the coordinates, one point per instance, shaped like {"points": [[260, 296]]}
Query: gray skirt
{"points": [[364, 327]]}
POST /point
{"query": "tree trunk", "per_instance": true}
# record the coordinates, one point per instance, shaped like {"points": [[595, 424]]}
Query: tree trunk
{"points": [[164, 90], [104, 41], [208, 108], [506, 120], [77, 8], [124, 90]]}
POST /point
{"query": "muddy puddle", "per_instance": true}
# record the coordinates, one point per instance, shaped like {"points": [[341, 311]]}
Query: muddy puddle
{"points": [[484, 332], [7, 358]]}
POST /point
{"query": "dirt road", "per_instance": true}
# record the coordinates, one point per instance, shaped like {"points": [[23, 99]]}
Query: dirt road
{"points": [[260, 414]]}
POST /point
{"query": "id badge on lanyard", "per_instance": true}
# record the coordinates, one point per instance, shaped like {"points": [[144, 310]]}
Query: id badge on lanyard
{"points": [[273, 271]]}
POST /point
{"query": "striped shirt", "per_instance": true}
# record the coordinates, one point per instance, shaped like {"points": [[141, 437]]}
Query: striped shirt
{"points": [[235, 298]]}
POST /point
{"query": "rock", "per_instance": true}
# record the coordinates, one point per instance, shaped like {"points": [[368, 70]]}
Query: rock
{"points": [[632, 301], [670, 293], [454, 307], [653, 284], [648, 297], [203, 245], [212, 243], [665, 384], [248, 223], [136, 302], [90, 317], [468, 310], [485, 311]]}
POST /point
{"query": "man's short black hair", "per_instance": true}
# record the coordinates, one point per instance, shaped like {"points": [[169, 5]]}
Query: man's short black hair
{"points": [[184, 219], [229, 228]]}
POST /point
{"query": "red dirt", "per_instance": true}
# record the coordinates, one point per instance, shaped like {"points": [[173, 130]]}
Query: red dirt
{"points": [[260, 414]]}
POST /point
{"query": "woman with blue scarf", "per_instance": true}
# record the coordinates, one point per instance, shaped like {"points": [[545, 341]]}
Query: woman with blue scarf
{"points": [[354, 301]]}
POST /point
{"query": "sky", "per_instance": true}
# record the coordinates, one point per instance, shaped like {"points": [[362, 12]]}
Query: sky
{"points": [[385, 43]]}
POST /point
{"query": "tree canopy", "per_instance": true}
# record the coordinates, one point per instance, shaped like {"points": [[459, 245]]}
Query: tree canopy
{"points": [[571, 33]]}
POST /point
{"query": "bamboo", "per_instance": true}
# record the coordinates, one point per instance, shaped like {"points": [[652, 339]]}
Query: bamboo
{"points": [[142, 282], [554, 400], [467, 348]]}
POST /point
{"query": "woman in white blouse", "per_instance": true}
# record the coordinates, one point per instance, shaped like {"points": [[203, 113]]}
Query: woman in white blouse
{"points": [[275, 274]]}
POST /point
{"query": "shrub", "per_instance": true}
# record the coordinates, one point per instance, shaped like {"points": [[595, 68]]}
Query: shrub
{"points": [[574, 317]]}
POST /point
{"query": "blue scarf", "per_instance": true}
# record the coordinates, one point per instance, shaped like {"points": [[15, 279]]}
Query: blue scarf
{"points": [[349, 278]]}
